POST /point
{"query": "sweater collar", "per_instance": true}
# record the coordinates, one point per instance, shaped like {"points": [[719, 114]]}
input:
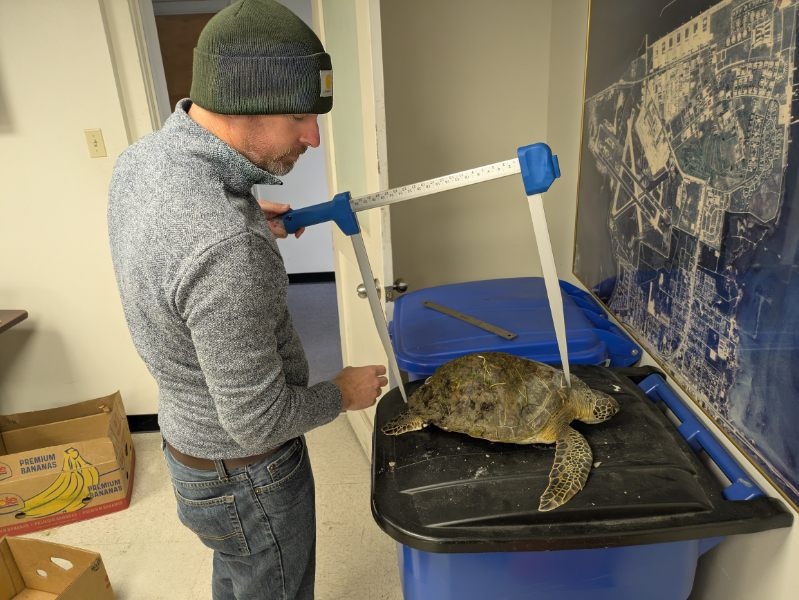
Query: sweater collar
{"points": [[237, 173]]}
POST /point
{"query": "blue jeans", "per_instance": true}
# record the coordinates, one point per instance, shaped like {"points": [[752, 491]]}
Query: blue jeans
{"points": [[259, 520]]}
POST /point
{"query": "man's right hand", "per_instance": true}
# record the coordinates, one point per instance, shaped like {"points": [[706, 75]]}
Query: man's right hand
{"points": [[360, 386]]}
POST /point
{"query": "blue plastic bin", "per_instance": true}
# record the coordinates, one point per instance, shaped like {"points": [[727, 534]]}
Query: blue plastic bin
{"points": [[464, 511], [424, 338], [650, 572]]}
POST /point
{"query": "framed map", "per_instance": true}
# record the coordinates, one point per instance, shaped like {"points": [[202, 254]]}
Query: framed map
{"points": [[688, 213]]}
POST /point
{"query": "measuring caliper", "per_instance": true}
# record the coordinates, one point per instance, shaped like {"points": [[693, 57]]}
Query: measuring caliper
{"points": [[538, 167]]}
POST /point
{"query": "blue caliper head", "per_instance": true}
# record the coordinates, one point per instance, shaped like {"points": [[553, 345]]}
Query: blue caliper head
{"points": [[337, 210], [539, 167]]}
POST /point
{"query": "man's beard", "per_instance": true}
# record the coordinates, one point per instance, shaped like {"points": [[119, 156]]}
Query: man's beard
{"points": [[282, 165]]}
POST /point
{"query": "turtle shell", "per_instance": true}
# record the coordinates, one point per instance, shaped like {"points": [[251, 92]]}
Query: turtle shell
{"points": [[495, 396]]}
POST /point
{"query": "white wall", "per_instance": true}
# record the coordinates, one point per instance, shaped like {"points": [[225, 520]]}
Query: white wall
{"points": [[564, 125], [56, 79], [465, 85]]}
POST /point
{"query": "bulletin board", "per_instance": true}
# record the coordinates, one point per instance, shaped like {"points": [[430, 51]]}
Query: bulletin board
{"points": [[688, 212]]}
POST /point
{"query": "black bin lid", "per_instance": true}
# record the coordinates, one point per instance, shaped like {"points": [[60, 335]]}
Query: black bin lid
{"points": [[447, 492]]}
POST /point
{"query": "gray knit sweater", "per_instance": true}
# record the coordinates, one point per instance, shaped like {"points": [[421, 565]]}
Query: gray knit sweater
{"points": [[203, 287]]}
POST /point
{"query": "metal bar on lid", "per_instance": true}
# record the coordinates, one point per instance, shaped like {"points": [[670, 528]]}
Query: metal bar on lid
{"points": [[503, 333]]}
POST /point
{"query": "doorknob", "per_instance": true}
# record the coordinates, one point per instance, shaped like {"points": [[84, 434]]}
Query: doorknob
{"points": [[392, 292], [361, 289]]}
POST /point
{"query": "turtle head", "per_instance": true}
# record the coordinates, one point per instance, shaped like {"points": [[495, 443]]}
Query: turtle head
{"points": [[601, 407]]}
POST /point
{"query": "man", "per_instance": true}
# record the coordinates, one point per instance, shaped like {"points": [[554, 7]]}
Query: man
{"points": [[203, 288]]}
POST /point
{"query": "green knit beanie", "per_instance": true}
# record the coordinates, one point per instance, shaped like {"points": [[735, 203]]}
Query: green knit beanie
{"points": [[256, 57]]}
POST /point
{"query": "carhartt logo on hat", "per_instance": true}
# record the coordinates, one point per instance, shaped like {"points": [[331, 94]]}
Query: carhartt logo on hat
{"points": [[326, 78], [256, 57]]}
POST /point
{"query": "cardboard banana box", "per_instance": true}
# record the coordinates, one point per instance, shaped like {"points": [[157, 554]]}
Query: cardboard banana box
{"points": [[64, 464], [39, 570]]}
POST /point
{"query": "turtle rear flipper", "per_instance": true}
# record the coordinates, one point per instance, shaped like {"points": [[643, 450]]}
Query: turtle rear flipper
{"points": [[573, 460], [403, 423]]}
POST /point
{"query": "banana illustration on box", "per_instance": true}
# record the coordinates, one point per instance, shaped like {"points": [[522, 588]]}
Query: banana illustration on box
{"points": [[70, 491]]}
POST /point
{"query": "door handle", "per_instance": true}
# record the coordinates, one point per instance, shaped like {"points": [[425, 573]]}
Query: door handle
{"points": [[392, 291]]}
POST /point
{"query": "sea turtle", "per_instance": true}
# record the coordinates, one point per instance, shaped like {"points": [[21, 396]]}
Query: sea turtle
{"points": [[506, 398]]}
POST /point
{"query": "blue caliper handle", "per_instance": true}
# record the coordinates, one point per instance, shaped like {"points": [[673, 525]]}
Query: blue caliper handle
{"points": [[337, 210], [539, 167]]}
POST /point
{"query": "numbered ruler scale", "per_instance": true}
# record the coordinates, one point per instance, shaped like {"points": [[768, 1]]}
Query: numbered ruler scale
{"points": [[538, 168]]}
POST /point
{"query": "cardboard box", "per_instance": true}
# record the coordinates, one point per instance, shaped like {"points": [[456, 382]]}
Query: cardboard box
{"points": [[64, 464], [39, 570]]}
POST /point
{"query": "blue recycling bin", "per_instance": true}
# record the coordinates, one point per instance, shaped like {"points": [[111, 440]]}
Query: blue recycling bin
{"points": [[424, 338], [464, 511]]}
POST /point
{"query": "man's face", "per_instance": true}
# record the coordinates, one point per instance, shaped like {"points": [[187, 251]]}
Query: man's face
{"points": [[275, 142]]}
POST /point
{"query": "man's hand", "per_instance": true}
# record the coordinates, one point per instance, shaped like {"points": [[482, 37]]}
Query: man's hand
{"points": [[271, 211], [360, 386]]}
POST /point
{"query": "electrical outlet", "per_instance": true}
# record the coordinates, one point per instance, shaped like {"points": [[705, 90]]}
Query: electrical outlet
{"points": [[94, 140]]}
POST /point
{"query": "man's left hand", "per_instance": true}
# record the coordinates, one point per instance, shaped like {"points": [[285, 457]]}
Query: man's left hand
{"points": [[273, 210]]}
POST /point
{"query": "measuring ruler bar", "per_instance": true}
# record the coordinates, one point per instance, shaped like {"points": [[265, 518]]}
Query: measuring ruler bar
{"points": [[439, 184], [536, 163], [503, 333]]}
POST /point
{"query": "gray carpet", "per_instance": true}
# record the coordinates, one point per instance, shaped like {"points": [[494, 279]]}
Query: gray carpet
{"points": [[315, 314]]}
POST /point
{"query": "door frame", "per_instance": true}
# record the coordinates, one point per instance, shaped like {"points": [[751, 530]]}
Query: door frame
{"points": [[370, 60]]}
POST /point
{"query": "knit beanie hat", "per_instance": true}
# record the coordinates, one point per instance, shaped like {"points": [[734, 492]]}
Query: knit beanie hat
{"points": [[256, 57]]}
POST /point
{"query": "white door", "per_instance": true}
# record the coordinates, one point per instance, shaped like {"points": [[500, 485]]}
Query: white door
{"points": [[350, 31]]}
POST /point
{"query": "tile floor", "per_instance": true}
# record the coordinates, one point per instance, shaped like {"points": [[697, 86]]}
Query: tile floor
{"points": [[150, 556]]}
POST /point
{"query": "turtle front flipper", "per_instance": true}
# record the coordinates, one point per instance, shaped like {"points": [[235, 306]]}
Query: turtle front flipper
{"points": [[569, 472], [403, 423]]}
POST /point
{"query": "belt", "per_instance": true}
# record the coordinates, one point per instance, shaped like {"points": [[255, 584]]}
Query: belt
{"points": [[206, 464]]}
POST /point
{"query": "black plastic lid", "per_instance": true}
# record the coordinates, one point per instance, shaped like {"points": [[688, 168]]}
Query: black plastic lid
{"points": [[446, 492]]}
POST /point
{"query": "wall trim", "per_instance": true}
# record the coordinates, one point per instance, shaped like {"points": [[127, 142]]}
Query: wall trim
{"points": [[143, 423], [320, 277]]}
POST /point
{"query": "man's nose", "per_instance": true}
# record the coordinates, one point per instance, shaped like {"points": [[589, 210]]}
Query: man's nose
{"points": [[310, 133]]}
